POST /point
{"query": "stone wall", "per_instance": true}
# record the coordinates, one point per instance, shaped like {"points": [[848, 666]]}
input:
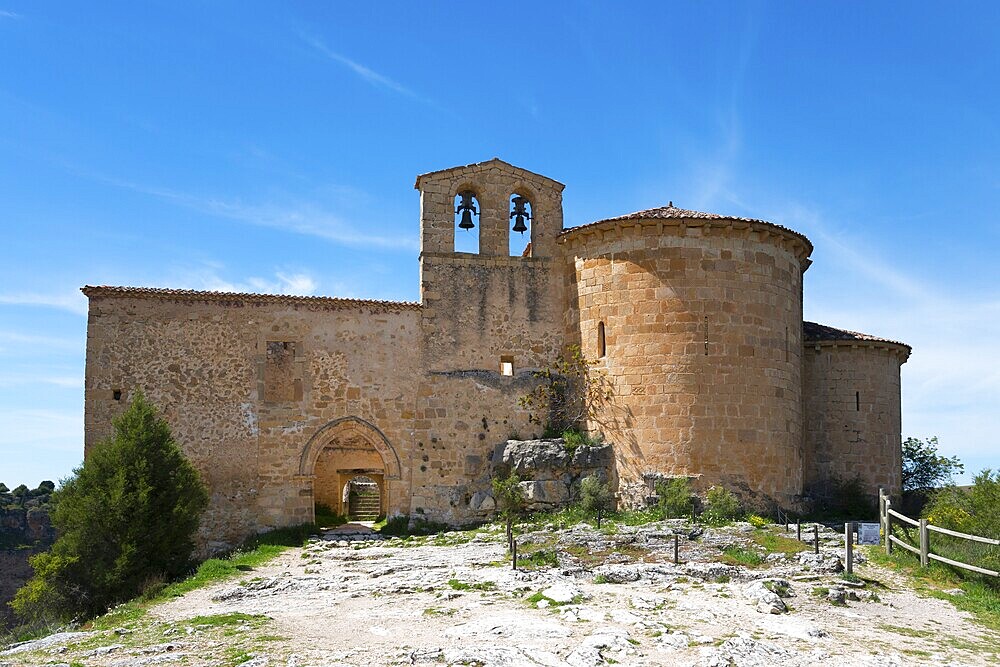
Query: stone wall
{"points": [[852, 410], [702, 330], [204, 360]]}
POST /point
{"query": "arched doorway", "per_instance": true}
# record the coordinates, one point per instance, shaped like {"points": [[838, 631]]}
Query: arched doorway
{"points": [[350, 461]]}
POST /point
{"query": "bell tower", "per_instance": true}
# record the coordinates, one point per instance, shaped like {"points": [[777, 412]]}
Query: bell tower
{"points": [[502, 304]]}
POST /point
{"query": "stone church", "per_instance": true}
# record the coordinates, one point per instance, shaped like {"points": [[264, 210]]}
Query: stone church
{"points": [[283, 402]]}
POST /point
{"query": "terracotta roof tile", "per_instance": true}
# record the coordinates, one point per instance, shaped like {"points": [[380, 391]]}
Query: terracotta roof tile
{"points": [[200, 295], [811, 331], [671, 212]]}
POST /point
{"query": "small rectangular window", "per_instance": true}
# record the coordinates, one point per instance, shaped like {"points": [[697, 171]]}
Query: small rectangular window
{"points": [[117, 394], [506, 365]]}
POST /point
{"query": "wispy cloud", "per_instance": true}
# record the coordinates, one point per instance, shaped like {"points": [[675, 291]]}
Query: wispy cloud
{"points": [[34, 379], [4, 14], [11, 339], [73, 301], [301, 284], [366, 73], [297, 217]]}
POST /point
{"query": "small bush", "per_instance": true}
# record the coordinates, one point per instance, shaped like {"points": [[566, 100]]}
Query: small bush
{"points": [[595, 497], [674, 498], [757, 521], [721, 506]]}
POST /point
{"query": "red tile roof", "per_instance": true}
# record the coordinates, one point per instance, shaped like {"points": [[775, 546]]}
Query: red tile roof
{"points": [[813, 332], [200, 295], [671, 212]]}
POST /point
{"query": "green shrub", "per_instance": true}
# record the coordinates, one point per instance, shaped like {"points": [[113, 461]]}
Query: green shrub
{"points": [[126, 517], [674, 498], [510, 499], [721, 506], [975, 511], [757, 521], [595, 497], [574, 438]]}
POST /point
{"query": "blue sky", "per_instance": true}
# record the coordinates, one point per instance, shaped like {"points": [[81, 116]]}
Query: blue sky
{"points": [[252, 146]]}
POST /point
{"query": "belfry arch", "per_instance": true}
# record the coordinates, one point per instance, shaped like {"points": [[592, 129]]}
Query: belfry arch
{"points": [[340, 454]]}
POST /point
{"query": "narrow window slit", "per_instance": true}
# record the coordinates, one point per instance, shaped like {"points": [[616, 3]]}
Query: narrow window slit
{"points": [[601, 341], [857, 401]]}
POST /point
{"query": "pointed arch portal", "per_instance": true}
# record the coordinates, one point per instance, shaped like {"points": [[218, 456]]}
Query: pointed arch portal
{"points": [[343, 428]]}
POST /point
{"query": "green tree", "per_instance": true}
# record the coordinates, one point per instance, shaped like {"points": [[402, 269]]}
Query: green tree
{"points": [[127, 516], [924, 467], [595, 497], [510, 499]]}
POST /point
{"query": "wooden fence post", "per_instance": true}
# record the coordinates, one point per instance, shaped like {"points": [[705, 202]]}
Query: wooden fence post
{"points": [[513, 553], [888, 527], [849, 546], [816, 537], [676, 549], [925, 546], [798, 530]]}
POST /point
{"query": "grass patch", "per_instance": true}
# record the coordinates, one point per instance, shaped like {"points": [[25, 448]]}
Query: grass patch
{"points": [[778, 544], [741, 556], [222, 620], [439, 611], [906, 632], [478, 586], [537, 559]]}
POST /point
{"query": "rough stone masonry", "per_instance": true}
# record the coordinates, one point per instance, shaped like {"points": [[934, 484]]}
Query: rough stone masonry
{"points": [[695, 318]]}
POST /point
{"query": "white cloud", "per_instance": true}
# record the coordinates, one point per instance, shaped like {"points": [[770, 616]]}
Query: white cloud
{"points": [[4, 14], [367, 74], [73, 301]]}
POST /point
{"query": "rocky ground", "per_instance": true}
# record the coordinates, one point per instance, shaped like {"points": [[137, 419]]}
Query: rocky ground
{"points": [[585, 598]]}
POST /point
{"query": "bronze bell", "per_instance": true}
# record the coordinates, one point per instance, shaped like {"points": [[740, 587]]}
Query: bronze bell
{"points": [[467, 208], [519, 214]]}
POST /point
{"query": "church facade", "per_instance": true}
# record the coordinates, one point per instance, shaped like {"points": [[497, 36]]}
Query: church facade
{"points": [[695, 320]]}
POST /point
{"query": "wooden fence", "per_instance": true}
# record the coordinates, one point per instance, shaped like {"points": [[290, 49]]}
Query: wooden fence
{"points": [[888, 516]]}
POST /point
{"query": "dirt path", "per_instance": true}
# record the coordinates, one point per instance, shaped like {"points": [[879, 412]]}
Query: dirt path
{"points": [[453, 600]]}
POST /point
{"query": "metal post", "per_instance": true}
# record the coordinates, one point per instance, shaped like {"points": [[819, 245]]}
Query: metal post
{"points": [[513, 554], [816, 538], [798, 530], [888, 527], [849, 546], [925, 547], [676, 549]]}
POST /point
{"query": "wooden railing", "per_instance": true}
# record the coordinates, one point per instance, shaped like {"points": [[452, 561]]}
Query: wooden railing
{"points": [[923, 550]]}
